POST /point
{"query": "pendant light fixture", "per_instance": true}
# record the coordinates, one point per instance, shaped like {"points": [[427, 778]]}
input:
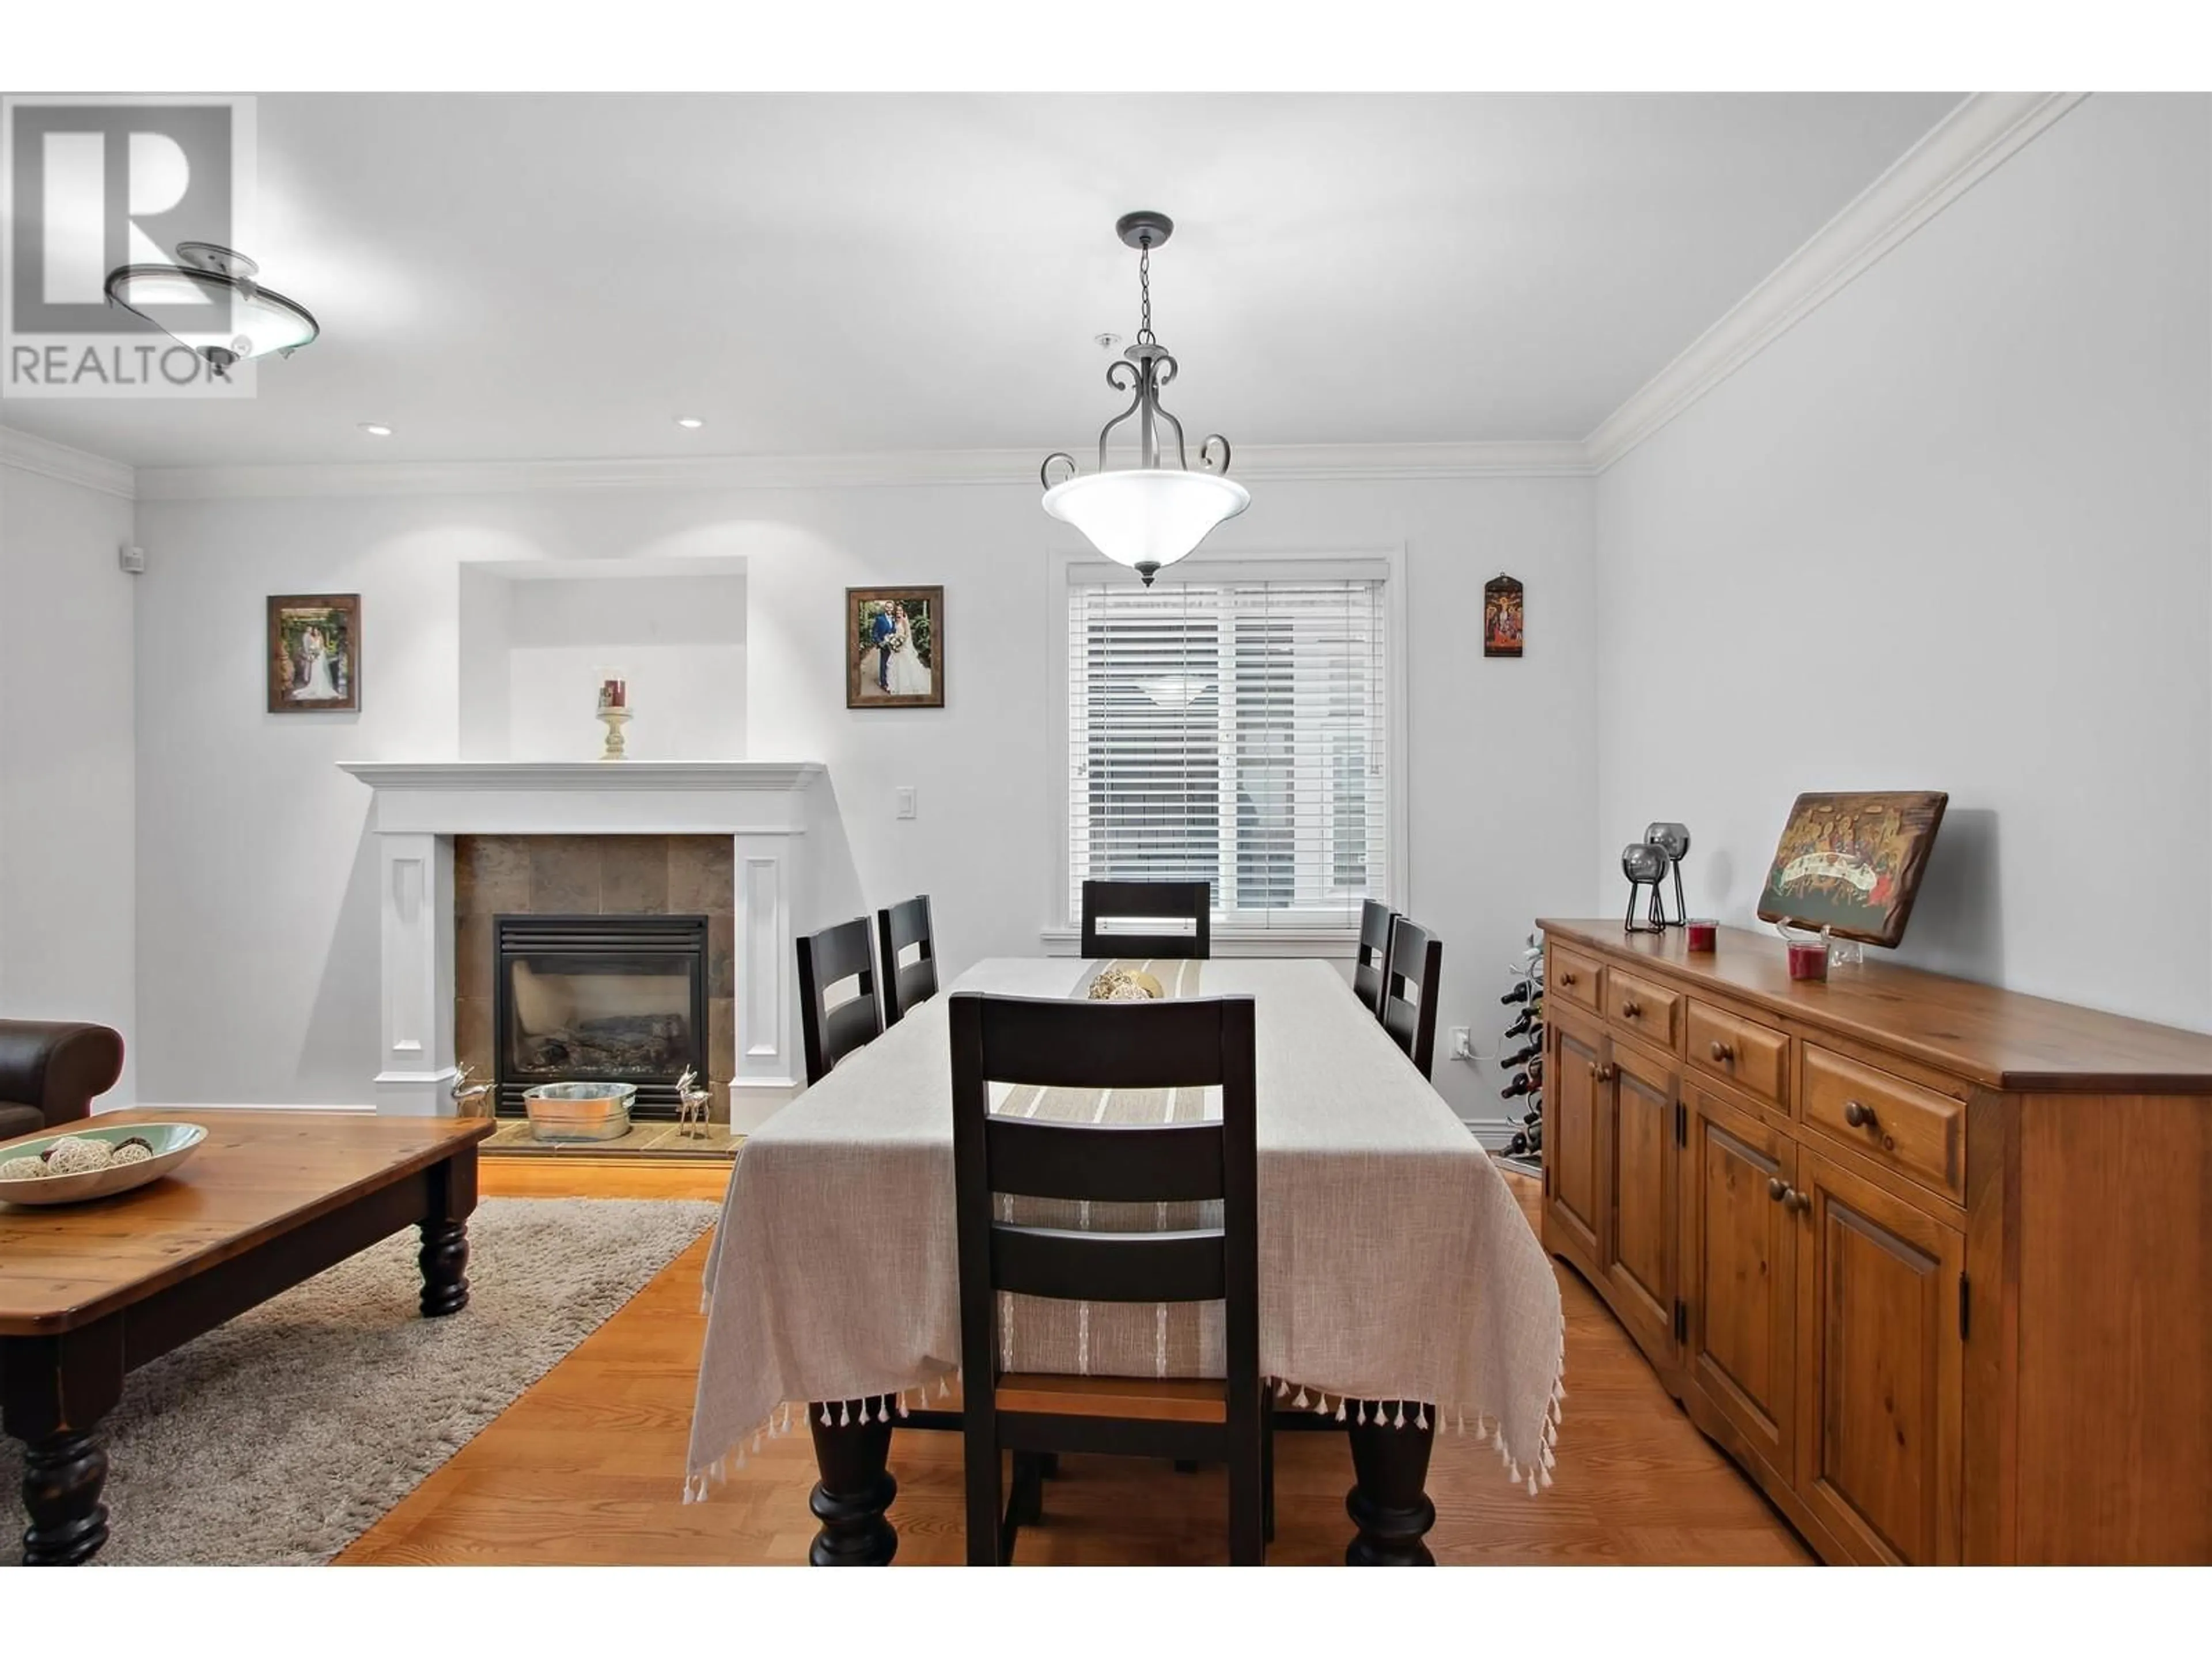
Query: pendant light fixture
{"points": [[209, 300], [1154, 513]]}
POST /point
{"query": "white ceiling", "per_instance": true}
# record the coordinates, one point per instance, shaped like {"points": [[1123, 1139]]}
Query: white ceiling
{"points": [[543, 277]]}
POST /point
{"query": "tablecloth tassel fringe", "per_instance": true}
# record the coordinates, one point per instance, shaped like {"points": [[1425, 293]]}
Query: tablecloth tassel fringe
{"points": [[1281, 1387], [901, 1402], [1339, 1408], [1299, 1404], [1421, 1418], [1399, 1422], [944, 1388]]}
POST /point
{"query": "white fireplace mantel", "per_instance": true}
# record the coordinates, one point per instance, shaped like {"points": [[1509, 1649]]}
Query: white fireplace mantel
{"points": [[765, 807]]}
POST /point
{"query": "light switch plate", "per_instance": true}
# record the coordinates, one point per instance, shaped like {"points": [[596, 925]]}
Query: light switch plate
{"points": [[903, 795], [1460, 1047]]}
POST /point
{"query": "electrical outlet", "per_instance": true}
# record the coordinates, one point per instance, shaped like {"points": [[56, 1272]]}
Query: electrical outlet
{"points": [[1460, 1048], [903, 795]]}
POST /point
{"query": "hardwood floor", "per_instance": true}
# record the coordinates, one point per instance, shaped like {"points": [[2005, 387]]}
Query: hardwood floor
{"points": [[587, 1466]]}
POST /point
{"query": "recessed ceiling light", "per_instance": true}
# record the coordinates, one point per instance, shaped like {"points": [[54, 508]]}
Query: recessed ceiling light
{"points": [[690, 423], [376, 428]]}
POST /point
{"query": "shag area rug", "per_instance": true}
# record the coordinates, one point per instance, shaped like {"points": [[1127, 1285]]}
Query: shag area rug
{"points": [[280, 1437]]}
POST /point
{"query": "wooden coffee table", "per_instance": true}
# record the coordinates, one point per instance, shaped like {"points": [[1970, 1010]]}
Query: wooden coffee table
{"points": [[90, 1292]]}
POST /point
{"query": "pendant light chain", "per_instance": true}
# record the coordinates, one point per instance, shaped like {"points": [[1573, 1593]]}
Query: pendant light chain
{"points": [[1145, 334]]}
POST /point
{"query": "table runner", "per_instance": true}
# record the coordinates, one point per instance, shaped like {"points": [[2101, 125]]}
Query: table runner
{"points": [[1397, 1272]]}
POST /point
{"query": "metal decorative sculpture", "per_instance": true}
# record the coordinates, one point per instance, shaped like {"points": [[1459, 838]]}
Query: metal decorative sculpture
{"points": [[692, 1100], [1674, 839], [470, 1099], [1645, 863]]}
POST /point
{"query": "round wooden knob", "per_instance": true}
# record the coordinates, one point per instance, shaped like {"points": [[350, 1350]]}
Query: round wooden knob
{"points": [[1607, 1074], [1631, 1008], [1777, 1188], [1857, 1114], [1721, 1052], [1793, 1201], [1566, 978]]}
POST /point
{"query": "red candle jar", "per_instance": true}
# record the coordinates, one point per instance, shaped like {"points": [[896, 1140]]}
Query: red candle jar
{"points": [[1809, 958], [1703, 936]]}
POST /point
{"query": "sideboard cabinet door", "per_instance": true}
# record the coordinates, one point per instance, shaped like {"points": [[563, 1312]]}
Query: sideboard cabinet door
{"points": [[1641, 1239], [1879, 1361], [1739, 1273], [1574, 1121]]}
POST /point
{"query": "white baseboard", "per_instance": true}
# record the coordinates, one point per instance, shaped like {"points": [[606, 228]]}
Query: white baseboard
{"points": [[1493, 1134]]}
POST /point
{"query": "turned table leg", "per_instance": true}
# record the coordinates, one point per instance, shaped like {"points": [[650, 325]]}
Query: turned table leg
{"points": [[57, 1388], [445, 1227], [1388, 1504], [856, 1486], [63, 1476]]}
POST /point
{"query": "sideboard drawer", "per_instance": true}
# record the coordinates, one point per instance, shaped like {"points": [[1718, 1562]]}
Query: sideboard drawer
{"points": [[1753, 1057], [1914, 1130], [1649, 1010], [1575, 978]]}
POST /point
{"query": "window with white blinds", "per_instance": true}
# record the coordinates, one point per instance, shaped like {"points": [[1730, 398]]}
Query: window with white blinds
{"points": [[1232, 732]]}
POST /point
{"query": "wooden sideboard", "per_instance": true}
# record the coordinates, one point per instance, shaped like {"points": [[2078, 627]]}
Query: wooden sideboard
{"points": [[1931, 1261]]}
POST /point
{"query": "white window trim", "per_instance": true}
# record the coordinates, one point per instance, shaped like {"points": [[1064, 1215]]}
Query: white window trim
{"points": [[1062, 934]]}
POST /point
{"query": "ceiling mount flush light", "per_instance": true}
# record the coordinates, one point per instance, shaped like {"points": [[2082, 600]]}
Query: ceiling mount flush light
{"points": [[209, 300], [1154, 513], [690, 423], [376, 428]]}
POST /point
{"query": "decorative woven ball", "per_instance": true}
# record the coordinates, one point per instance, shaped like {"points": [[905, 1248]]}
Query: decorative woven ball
{"points": [[133, 1151], [23, 1169], [132, 1141], [71, 1155]]}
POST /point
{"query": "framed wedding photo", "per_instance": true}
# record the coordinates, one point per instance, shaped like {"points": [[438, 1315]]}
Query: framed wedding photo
{"points": [[894, 647], [314, 653]]}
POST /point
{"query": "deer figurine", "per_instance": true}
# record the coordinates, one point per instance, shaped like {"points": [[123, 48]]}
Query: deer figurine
{"points": [[693, 1098], [471, 1099]]}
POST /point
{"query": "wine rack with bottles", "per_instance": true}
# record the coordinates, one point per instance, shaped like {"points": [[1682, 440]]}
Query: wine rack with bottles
{"points": [[1520, 1053]]}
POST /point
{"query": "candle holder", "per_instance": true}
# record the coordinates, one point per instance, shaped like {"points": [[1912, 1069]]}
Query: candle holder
{"points": [[614, 710], [1644, 864]]}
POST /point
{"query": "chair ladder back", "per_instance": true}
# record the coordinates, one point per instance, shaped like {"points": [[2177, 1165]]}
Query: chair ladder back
{"points": [[1148, 901], [1374, 952], [1412, 982], [828, 958], [908, 983]]}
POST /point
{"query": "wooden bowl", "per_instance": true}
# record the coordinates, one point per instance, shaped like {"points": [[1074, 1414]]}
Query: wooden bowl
{"points": [[172, 1143]]}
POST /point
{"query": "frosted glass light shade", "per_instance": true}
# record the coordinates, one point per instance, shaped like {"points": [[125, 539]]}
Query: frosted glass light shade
{"points": [[202, 309], [1146, 517]]}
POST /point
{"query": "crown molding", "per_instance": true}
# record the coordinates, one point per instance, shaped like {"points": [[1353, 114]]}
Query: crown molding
{"points": [[1972, 140], [888, 470], [49, 459]]}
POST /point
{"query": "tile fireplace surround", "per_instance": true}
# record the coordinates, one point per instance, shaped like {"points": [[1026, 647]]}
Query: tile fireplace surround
{"points": [[763, 809]]}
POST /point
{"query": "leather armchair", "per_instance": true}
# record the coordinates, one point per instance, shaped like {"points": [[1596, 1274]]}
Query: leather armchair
{"points": [[51, 1071]]}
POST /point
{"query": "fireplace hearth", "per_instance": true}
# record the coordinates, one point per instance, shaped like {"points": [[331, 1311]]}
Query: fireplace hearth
{"points": [[598, 999]]}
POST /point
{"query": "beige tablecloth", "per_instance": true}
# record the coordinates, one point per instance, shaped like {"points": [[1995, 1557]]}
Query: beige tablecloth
{"points": [[1395, 1266]]}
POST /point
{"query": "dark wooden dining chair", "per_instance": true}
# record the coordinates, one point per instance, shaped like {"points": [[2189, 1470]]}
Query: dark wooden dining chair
{"points": [[1375, 920], [1058, 1043], [1148, 900], [1412, 978], [906, 983], [827, 958]]}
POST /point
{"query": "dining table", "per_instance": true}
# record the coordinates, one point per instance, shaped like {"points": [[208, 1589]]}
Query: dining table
{"points": [[1402, 1291]]}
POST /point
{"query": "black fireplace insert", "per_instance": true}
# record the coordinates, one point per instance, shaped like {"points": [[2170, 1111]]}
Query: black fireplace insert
{"points": [[599, 1000]]}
